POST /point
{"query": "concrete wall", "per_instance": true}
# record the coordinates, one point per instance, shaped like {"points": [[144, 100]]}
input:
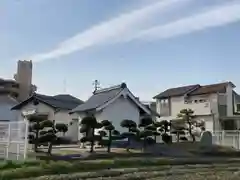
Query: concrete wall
{"points": [[209, 123], [164, 107], [229, 100], [24, 78], [199, 104], [202, 105], [6, 114], [59, 117], [116, 112], [64, 117]]}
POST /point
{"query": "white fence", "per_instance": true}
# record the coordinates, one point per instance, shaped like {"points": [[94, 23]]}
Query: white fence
{"points": [[224, 138], [227, 138], [13, 140]]}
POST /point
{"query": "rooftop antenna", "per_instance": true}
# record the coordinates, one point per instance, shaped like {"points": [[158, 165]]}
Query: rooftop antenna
{"points": [[96, 84]]}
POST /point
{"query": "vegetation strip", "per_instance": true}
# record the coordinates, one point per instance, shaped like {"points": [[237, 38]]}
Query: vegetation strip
{"points": [[133, 176], [160, 171], [82, 166]]}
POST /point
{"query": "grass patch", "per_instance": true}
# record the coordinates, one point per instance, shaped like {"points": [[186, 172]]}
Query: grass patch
{"points": [[138, 173], [64, 167], [18, 164]]}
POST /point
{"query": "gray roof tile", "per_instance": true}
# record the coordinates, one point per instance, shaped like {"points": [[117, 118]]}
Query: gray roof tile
{"points": [[99, 98], [62, 101], [179, 91]]}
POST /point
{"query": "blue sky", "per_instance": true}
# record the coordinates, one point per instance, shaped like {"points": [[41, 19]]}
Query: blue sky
{"points": [[149, 44]]}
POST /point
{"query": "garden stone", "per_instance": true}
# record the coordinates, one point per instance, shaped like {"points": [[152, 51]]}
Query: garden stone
{"points": [[206, 139]]}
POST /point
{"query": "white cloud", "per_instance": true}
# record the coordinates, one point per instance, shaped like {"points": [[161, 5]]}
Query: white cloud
{"points": [[217, 16], [114, 28], [135, 25]]}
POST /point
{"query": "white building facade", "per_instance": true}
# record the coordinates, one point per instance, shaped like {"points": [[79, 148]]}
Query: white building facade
{"points": [[114, 104], [57, 109], [215, 104]]}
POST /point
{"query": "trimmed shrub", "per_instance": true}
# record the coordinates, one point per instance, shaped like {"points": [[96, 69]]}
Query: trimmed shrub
{"points": [[167, 138]]}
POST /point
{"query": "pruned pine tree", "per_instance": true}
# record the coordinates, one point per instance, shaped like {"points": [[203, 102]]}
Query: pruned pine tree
{"points": [[44, 132], [187, 116], [132, 130], [111, 133], [89, 125]]}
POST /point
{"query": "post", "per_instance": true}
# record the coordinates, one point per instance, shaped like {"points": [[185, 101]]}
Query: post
{"points": [[8, 140], [238, 139], [223, 138], [18, 150], [26, 139]]}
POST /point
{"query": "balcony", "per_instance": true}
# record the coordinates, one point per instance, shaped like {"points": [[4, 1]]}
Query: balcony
{"points": [[198, 108]]}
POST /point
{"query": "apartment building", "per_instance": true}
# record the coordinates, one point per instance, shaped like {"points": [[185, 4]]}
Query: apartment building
{"points": [[217, 105], [13, 91]]}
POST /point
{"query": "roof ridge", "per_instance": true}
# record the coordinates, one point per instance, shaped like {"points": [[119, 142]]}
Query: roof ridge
{"points": [[119, 86], [184, 86], [75, 100], [215, 84]]}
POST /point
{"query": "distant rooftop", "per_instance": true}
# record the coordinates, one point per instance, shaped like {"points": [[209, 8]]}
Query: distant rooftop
{"points": [[61, 101], [194, 90]]}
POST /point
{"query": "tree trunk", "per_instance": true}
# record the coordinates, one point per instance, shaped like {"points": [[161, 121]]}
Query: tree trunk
{"points": [[109, 142], [193, 137], [144, 144], [190, 132], [128, 143], [92, 141], [50, 145], [36, 141]]}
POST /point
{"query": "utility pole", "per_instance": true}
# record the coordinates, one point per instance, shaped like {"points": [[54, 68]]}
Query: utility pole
{"points": [[96, 84]]}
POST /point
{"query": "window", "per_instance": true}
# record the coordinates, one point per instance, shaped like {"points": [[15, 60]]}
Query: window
{"points": [[187, 101], [238, 107], [164, 101], [202, 100], [229, 125]]}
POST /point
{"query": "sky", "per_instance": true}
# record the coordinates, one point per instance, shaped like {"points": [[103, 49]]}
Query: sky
{"points": [[151, 45]]}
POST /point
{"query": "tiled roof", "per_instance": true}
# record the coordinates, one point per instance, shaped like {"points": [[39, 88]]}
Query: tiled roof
{"points": [[212, 88], [194, 90], [63, 101], [100, 97], [179, 91]]}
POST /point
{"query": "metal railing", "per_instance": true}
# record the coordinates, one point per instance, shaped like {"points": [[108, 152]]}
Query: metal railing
{"points": [[227, 138], [13, 140]]}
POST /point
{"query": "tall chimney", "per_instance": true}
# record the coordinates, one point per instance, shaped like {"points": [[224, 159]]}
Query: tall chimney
{"points": [[24, 78]]}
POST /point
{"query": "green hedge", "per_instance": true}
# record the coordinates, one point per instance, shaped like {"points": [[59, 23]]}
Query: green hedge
{"points": [[64, 167], [18, 164]]}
